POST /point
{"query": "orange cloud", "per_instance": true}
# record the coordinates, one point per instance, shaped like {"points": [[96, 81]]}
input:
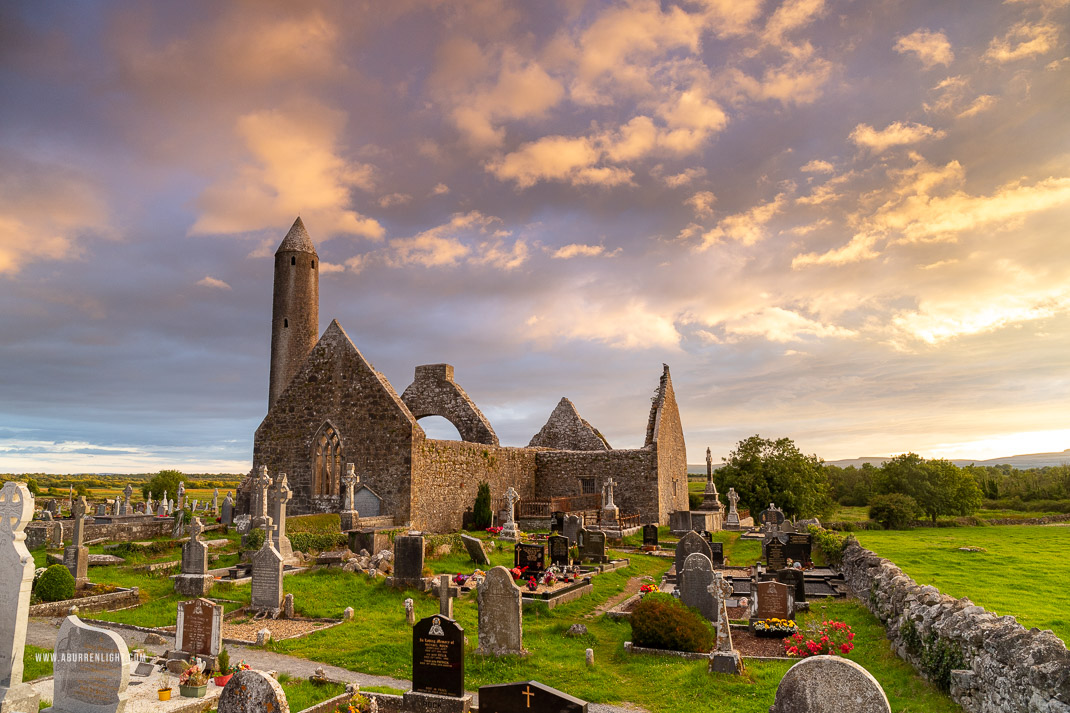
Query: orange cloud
{"points": [[932, 48]]}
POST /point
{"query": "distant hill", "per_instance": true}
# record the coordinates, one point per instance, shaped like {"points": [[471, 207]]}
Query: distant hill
{"points": [[1028, 460]]}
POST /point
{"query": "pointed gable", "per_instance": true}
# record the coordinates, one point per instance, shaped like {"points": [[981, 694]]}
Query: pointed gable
{"points": [[565, 430]]}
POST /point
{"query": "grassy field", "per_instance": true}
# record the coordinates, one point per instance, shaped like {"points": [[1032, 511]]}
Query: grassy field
{"points": [[1022, 572]]}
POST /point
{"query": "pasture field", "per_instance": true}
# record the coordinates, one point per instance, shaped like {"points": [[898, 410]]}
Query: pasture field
{"points": [[1022, 570]]}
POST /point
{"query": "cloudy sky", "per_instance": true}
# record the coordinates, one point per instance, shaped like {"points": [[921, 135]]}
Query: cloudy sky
{"points": [[838, 221]]}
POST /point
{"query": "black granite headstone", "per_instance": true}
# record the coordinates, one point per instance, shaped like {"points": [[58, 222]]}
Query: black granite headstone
{"points": [[531, 556], [408, 556], [527, 697], [557, 521], [558, 550], [718, 554], [793, 578], [798, 547], [776, 555], [594, 546], [438, 657], [650, 535]]}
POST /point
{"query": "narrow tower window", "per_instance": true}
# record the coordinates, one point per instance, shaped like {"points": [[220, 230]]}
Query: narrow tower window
{"points": [[313, 264], [293, 260], [285, 323]]}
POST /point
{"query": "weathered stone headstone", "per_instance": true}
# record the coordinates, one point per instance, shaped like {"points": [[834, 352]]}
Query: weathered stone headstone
{"points": [[447, 592], [266, 586], [438, 657], [408, 560], [530, 556], [193, 579], [594, 546], [821, 684], [795, 579], [161, 511], [680, 521], [610, 511], [509, 530], [181, 496], [500, 627], [252, 691], [259, 488], [199, 630], [475, 549], [55, 533], [731, 520], [102, 510], [558, 546], [771, 518], [694, 585], [724, 658], [349, 515], [280, 496], [571, 529], [650, 535], [76, 557], [717, 550], [227, 515], [128, 493], [557, 521], [527, 696], [16, 510], [46, 516], [690, 543], [215, 501], [772, 600], [90, 670]]}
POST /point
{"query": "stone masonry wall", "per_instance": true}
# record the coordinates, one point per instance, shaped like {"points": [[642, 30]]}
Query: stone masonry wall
{"points": [[568, 431], [1007, 668], [635, 472], [339, 386], [434, 393], [668, 436], [446, 477]]}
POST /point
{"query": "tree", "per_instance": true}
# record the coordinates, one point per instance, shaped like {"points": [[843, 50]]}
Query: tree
{"points": [[164, 481], [481, 514], [938, 486], [764, 471], [33, 487], [893, 512]]}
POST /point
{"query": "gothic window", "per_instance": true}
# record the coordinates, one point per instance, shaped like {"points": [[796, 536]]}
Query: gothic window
{"points": [[327, 465]]}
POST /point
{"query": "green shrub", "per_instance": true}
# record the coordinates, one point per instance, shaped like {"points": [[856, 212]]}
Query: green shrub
{"points": [[56, 584], [831, 543], [659, 621], [223, 663], [909, 632], [694, 500], [254, 540], [314, 541], [938, 660], [481, 514], [894, 512]]}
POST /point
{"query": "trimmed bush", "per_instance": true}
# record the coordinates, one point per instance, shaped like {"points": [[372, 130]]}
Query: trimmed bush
{"points": [[831, 543], [254, 540], [56, 584], [660, 621], [315, 541], [894, 512], [481, 514]]}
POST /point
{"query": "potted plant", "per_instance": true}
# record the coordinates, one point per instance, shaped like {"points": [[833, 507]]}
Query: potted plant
{"points": [[223, 672], [193, 683], [164, 691]]}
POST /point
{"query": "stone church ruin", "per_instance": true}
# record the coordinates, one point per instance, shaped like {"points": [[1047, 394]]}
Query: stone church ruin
{"points": [[328, 408]]}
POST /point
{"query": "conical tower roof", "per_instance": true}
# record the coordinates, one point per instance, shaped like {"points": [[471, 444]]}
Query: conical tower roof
{"points": [[297, 240]]}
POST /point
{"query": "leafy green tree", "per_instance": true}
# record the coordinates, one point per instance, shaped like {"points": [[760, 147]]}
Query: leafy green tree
{"points": [[764, 471], [165, 480], [938, 486], [33, 487], [481, 514], [893, 512]]}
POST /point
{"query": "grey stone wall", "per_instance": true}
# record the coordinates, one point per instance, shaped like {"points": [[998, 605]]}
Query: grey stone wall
{"points": [[434, 393], [666, 432], [568, 431], [1007, 668], [295, 307], [339, 386], [446, 477], [635, 472]]}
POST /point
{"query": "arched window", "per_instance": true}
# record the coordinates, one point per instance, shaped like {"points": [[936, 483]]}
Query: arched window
{"points": [[327, 465], [293, 259]]}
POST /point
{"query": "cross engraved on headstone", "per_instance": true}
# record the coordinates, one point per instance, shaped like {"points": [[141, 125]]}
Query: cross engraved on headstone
{"points": [[447, 592]]}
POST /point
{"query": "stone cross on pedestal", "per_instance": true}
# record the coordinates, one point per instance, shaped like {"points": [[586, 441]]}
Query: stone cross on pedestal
{"points": [[349, 514], [724, 658], [181, 497], [16, 509], [196, 528], [128, 493], [162, 511], [76, 557], [279, 497], [260, 496], [607, 495], [709, 465], [117, 507], [215, 501], [446, 594], [732, 519], [733, 498], [509, 531]]}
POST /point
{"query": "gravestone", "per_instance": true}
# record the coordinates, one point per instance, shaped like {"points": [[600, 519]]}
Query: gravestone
{"points": [[610, 511], [52, 506], [266, 587], [102, 510], [199, 630], [252, 691], [679, 521], [46, 516], [772, 600], [408, 561], [193, 579], [509, 531], [694, 585], [349, 513], [717, 549], [280, 496], [776, 555], [179, 526], [438, 657], [90, 671], [650, 535], [795, 579], [558, 546], [476, 553], [181, 496], [370, 540], [76, 557], [258, 510], [799, 547], [724, 658], [731, 520], [161, 511], [771, 518], [690, 543], [525, 697], [594, 546], [571, 530], [55, 533], [16, 562], [447, 592], [820, 684], [500, 627], [215, 501], [128, 493], [227, 515], [557, 521], [531, 556]]}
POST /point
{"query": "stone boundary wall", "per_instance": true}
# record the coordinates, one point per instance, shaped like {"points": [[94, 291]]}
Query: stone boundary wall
{"points": [[130, 532], [109, 601], [1006, 668], [973, 521]]}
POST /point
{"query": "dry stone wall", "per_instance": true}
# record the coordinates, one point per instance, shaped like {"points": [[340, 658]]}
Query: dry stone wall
{"points": [[635, 472], [1001, 666]]}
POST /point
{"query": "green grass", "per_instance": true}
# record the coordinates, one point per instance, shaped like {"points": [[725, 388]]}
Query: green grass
{"points": [[33, 669], [302, 693], [1023, 571]]}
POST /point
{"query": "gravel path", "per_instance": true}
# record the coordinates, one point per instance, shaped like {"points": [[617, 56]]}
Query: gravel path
{"points": [[42, 633]]}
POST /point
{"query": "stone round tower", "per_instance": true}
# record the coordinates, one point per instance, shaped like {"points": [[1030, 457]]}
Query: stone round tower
{"points": [[295, 307]]}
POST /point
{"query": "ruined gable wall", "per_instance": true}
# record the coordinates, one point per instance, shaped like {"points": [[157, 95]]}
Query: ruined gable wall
{"points": [[377, 432], [446, 477], [671, 451], [634, 471]]}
